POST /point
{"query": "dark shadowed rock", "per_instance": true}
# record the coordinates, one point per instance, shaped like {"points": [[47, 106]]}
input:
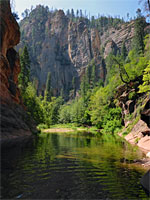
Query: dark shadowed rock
{"points": [[130, 106], [145, 181], [14, 120], [145, 114]]}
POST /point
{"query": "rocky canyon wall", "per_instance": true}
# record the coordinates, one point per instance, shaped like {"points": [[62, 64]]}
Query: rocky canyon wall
{"points": [[61, 46], [13, 115], [65, 47]]}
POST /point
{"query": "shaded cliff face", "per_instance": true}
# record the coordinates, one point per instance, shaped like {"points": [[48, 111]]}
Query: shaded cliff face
{"points": [[61, 46], [9, 60], [13, 116], [65, 47]]}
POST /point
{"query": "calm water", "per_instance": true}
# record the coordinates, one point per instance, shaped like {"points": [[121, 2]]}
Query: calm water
{"points": [[61, 166]]}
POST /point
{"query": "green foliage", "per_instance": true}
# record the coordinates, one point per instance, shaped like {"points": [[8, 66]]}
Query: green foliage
{"points": [[96, 104], [74, 86], [125, 133], [32, 102], [42, 126], [74, 112], [123, 51], [65, 114], [138, 41], [111, 126], [132, 95], [147, 46], [48, 88], [145, 87], [136, 65], [102, 115], [24, 75], [51, 110]]}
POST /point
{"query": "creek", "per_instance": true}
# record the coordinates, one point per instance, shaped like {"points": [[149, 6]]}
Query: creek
{"points": [[71, 166]]}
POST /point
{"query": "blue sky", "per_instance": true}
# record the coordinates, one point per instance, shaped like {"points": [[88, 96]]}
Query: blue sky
{"points": [[111, 7]]}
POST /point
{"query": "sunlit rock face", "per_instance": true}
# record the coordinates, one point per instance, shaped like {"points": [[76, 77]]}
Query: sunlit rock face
{"points": [[140, 133], [61, 46], [13, 115]]}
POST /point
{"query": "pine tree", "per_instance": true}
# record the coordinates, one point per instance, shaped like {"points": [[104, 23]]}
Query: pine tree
{"points": [[83, 88], [68, 13], [88, 75], [74, 86], [138, 42], [124, 51], [93, 21], [24, 76], [62, 93], [81, 15], [48, 88], [72, 14], [93, 76], [77, 14]]}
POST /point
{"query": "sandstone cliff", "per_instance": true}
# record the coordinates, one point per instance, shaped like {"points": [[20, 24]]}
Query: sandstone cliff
{"points": [[13, 116], [65, 47], [61, 46]]}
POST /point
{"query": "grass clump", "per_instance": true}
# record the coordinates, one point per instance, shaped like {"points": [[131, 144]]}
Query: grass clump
{"points": [[42, 126]]}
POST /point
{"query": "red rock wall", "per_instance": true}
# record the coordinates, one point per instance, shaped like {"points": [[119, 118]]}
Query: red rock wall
{"points": [[9, 59], [15, 123]]}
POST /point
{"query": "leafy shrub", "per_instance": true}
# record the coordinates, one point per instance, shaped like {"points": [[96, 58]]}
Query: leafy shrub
{"points": [[132, 95], [42, 126]]}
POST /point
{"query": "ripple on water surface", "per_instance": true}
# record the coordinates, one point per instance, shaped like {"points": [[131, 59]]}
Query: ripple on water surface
{"points": [[58, 167]]}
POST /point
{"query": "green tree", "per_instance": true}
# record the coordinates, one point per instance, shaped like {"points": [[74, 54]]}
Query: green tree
{"points": [[72, 14], [24, 76], [74, 86], [33, 104], [65, 114], [77, 13], [138, 40], [145, 87], [68, 13], [88, 75], [93, 76], [48, 88], [51, 110], [123, 51], [84, 87]]}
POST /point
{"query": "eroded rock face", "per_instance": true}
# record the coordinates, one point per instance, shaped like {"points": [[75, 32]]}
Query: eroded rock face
{"points": [[111, 46], [13, 116], [124, 33], [63, 47], [140, 133], [137, 136], [9, 60]]}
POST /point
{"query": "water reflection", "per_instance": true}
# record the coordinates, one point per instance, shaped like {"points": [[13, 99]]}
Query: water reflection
{"points": [[61, 166]]}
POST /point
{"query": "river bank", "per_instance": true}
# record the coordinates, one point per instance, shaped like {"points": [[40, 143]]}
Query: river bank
{"points": [[139, 136], [144, 162]]}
